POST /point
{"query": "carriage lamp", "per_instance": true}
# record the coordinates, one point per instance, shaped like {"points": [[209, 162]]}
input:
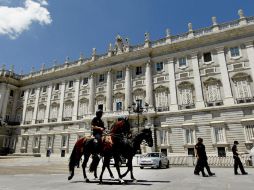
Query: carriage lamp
{"points": [[138, 109]]}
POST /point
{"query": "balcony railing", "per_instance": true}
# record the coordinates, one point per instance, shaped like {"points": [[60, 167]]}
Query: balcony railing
{"points": [[39, 121], [52, 120], [161, 109], [214, 103], [67, 118], [244, 100], [186, 106]]}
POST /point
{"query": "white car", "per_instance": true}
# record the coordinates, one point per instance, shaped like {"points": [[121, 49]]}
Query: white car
{"points": [[154, 160]]}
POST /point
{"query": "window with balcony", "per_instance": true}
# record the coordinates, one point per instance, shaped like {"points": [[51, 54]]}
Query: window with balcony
{"points": [[234, 52], [54, 112], [70, 84], [138, 97], [68, 109], [83, 107], [119, 106], [182, 62], [190, 136], [242, 88], [101, 78], [249, 132], [207, 57], [11, 93], [138, 70], [159, 66], [29, 115], [119, 74], [24, 142], [41, 113], [44, 89], [161, 98], [57, 85], [85, 81]]}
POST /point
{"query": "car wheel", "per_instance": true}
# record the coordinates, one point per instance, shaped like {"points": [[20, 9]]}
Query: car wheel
{"points": [[141, 167], [167, 166], [159, 166]]}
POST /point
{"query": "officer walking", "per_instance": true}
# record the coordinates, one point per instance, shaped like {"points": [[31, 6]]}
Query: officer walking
{"points": [[98, 128], [237, 161], [201, 159]]}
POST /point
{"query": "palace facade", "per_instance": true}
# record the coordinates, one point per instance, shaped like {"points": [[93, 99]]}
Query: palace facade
{"points": [[196, 84]]}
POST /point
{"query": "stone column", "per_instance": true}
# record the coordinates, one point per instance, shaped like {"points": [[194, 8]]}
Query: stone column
{"points": [[149, 84], [5, 103], [150, 124], [172, 85], [197, 82], [14, 106], [46, 120], [228, 99], [109, 92], [2, 95], [60, 115], [76, 99], [91, 94], [250, 52], [128, 89], [25, 105], [37, 95]]}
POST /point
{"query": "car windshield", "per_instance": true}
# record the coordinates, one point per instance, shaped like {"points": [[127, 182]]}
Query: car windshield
{"points": [[153, 155]]}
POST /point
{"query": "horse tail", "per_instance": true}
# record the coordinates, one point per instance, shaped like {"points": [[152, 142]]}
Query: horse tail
{"points": [[72, 160], [93, 166]]}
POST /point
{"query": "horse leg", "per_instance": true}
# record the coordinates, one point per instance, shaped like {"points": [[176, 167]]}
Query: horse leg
{"points": [[117, 159], [86, 158], [128, 169], [103, 168], [109, 170], [71, 173], [131, 170]]}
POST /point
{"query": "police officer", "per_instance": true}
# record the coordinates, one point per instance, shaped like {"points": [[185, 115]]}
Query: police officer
{"points": [[202, 159], [237, 161], [98, 128]]}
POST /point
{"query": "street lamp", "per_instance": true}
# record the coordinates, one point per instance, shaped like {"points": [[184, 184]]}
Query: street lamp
{"points": [[137, 108]]}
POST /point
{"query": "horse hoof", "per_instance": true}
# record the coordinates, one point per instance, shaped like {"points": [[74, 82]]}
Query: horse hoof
{"points": [[87, 180], [70, 177], [112, 177]]}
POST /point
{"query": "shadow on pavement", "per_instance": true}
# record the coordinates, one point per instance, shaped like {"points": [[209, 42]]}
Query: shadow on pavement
{"points": [[126, 182]]}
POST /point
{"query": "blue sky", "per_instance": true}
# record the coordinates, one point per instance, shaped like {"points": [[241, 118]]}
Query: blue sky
{"points": [[61, 28]]}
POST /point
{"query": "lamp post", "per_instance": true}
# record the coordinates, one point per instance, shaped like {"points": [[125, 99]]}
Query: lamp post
{"points": [[137, 108]]}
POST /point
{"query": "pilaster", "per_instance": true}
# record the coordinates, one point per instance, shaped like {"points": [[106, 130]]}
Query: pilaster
{"points": [[228, 99], [172, 85], [91, 94], [128, 89], [250, 52], [76, 98], [60, 115], [197, 82], [109, 91], [149, 85], [37, 95], [26, 93], [50, 87]]}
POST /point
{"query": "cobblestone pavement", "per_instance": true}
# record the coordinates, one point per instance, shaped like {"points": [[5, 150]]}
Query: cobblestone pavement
{"points": [[44, 174]]}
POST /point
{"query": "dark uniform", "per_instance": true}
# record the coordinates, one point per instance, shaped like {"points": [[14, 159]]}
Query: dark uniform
{"points": [[97, 133], [202, 159], [237, 161]]}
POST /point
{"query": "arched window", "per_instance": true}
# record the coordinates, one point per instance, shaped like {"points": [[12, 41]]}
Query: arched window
{"points": [[100, 102], [139, 96], [83, 107], [68, 109], [186, 95], [29, 114], [118, 101], [41, 112], [213, 96], [54, 109], [242, 87], [161, 98]]}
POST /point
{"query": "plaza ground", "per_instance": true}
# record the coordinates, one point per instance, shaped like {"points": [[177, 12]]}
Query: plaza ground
{"points": [[51, 174]]}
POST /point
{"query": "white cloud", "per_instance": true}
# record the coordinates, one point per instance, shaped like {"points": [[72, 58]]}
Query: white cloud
{"points": [[15, 20]]}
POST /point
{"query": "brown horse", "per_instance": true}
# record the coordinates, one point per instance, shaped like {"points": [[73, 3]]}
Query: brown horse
{"points": [[85, 146]]}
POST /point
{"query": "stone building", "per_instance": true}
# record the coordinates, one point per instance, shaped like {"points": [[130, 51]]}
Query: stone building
{"points": [[196, 84]]}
